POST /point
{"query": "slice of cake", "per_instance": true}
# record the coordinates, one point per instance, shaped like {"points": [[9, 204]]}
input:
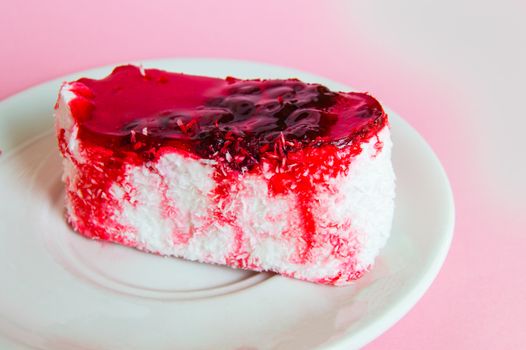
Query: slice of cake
{"points": [[265, 175]]}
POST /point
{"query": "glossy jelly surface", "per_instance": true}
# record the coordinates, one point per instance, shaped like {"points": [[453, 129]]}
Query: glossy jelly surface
{"points": [[137, 110]]}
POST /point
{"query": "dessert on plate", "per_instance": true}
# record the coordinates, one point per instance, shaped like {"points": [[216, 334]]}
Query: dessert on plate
{"points": [[265, 175]]}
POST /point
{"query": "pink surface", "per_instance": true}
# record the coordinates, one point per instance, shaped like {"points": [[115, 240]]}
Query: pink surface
{"points": [[454, 71]]}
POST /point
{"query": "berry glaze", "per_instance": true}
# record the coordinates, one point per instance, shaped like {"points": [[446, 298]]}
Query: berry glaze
{"points": [[296, 135]]}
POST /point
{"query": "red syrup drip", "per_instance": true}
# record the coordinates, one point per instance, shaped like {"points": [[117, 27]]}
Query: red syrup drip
{"points": [[96, 179], [134, 116]]}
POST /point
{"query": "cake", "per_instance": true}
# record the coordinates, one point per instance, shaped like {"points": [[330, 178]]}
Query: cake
{"points": [[260, 174]]}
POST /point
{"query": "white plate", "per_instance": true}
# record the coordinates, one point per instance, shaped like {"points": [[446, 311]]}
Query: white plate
{"points": [[61, 291]]}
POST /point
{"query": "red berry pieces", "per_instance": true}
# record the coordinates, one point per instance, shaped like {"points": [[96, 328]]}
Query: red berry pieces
{"points": [[233, 120]]}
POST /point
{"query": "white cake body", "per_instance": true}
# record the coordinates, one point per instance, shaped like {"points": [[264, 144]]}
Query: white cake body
{"points": [[167, 207]]}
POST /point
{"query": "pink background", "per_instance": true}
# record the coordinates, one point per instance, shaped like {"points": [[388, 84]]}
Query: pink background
{"points": [[454, 69]]}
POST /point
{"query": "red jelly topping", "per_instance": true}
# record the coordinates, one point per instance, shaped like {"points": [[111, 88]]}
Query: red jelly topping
{"points": [[300, 130], [210, 117]]}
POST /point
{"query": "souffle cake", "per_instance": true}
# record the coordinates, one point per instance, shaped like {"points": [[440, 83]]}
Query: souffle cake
{"points": [[259, 174]]}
